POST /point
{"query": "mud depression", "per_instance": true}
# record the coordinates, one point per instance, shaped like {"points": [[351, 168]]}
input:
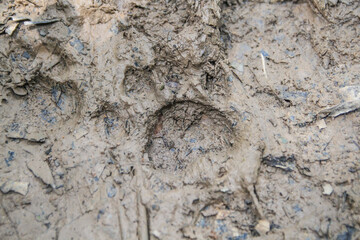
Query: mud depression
{"points": [[184, 130], [179, 119]]}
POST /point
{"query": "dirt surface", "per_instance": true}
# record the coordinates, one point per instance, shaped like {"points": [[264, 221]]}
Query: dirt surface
{"points": [[180, 119]]}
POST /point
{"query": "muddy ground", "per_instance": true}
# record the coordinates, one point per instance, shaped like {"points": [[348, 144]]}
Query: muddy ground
{"points": [[190, 119]]}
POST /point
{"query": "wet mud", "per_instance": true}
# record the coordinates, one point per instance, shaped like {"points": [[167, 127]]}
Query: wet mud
{"points": [[188, 119]]}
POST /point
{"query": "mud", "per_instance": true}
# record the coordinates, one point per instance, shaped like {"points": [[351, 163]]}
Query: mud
{"points": [[185, 130], [179, 119]]}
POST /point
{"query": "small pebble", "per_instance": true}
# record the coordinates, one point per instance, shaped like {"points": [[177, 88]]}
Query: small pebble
{"points": [[321, 124], [263, 227], [42, 33], [327, 189]]}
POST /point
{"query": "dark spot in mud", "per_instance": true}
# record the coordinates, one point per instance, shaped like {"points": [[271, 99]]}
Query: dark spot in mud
{"points": [[137, 82], [26, 55], [282, 162], [77, 44], [9, 158], [110, 124], [51, 102], [347, 235], [46, 116], [184, 131]]}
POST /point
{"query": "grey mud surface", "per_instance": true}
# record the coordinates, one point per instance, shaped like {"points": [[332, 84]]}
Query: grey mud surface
{"points": [[191, 119]]}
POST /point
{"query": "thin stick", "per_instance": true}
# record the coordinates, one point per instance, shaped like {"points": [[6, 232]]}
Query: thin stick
{"points": [[263, 65]]}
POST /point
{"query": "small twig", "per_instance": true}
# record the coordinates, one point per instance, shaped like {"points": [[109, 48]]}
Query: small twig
{"points": [[327, 144], [263, 65], [237, 76], [354, 142]]}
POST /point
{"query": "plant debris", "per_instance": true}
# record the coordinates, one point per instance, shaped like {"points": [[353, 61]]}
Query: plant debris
{"points": [[283, 162]]}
